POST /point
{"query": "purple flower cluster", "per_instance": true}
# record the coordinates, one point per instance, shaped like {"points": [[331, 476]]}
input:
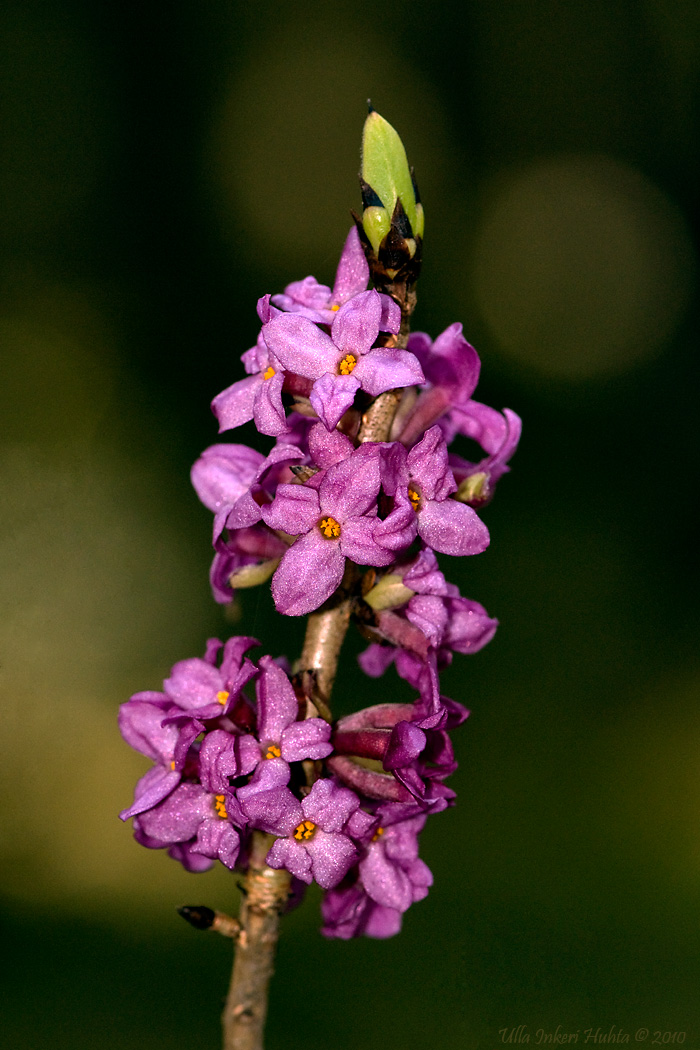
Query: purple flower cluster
{"points": [[320, 358], [236, 743], [227, 764]]}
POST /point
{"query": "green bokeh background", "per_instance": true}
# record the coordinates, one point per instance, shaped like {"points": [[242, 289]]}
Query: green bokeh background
{"points": [[163, 166]]}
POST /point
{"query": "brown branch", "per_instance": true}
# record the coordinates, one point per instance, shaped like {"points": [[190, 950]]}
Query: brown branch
{"points": [[203, 918], [377, 420], [325, 633], [265, 894]]}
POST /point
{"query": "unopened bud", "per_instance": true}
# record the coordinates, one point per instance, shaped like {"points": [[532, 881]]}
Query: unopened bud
{"points": [[389, 593], [253, 575], [203, 918], [386, 181], [473, 488]]}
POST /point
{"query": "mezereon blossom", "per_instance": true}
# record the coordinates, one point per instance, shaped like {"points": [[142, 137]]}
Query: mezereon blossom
{"points": [[359, 483]]}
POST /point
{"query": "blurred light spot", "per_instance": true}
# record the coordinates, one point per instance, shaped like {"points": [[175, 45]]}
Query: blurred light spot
{"points": [[645, 782], [285, 147], [96, 585], [582, 266], [101, 590]]}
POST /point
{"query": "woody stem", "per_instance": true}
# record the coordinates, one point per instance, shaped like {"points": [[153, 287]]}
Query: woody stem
{"points": [[265, 894]]}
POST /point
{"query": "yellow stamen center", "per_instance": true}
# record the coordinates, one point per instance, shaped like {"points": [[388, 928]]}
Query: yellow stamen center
{"points": [[335, 308], [378, 834], [222, 696], [414, 498], [330, 528], [220, 806], [347, 364], [172, 765], [269, 372], [273, 752], [304, 831]]}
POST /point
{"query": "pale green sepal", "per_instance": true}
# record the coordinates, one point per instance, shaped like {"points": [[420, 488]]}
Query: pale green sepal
{"points": [[253, 575], [389, 593], [385, 167]]}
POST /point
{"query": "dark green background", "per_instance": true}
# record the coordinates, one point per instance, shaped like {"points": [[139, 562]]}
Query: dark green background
{"points": [[163, 166]]}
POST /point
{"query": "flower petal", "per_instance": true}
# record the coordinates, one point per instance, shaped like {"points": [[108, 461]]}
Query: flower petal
{"points": [[406, 743], [304, 294], [329, 805], [285, 853], [223, 473], [328, 447], [451, 362], [309, 572], [452, 528], [470, 627], [350, 488], [268, 410], [177, 819], [218, 760], [352, 275], [386, 883], [391, 315], [382, 922], [357, 542], [356, 325], [386, 368], [295, 509], [300, 345], [152, 788], [218, 839], [375, 659], [331, 397], [140, 723], [246, 511], [193, 683], [234, 405], [427, 463], [307, 739], [267, 802], [332, 856], [428, 612], [277, 702]]}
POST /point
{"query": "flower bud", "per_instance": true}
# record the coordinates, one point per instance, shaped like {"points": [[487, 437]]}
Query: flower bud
{"points": [[474, 488], [389, 593], [253, 575]]}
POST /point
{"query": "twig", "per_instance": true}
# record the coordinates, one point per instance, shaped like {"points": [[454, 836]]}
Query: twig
{"points": [[203, 918], [266, 893]]}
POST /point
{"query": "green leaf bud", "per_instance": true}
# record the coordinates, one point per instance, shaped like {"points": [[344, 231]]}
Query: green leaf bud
{"points": [[386, 178]]}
